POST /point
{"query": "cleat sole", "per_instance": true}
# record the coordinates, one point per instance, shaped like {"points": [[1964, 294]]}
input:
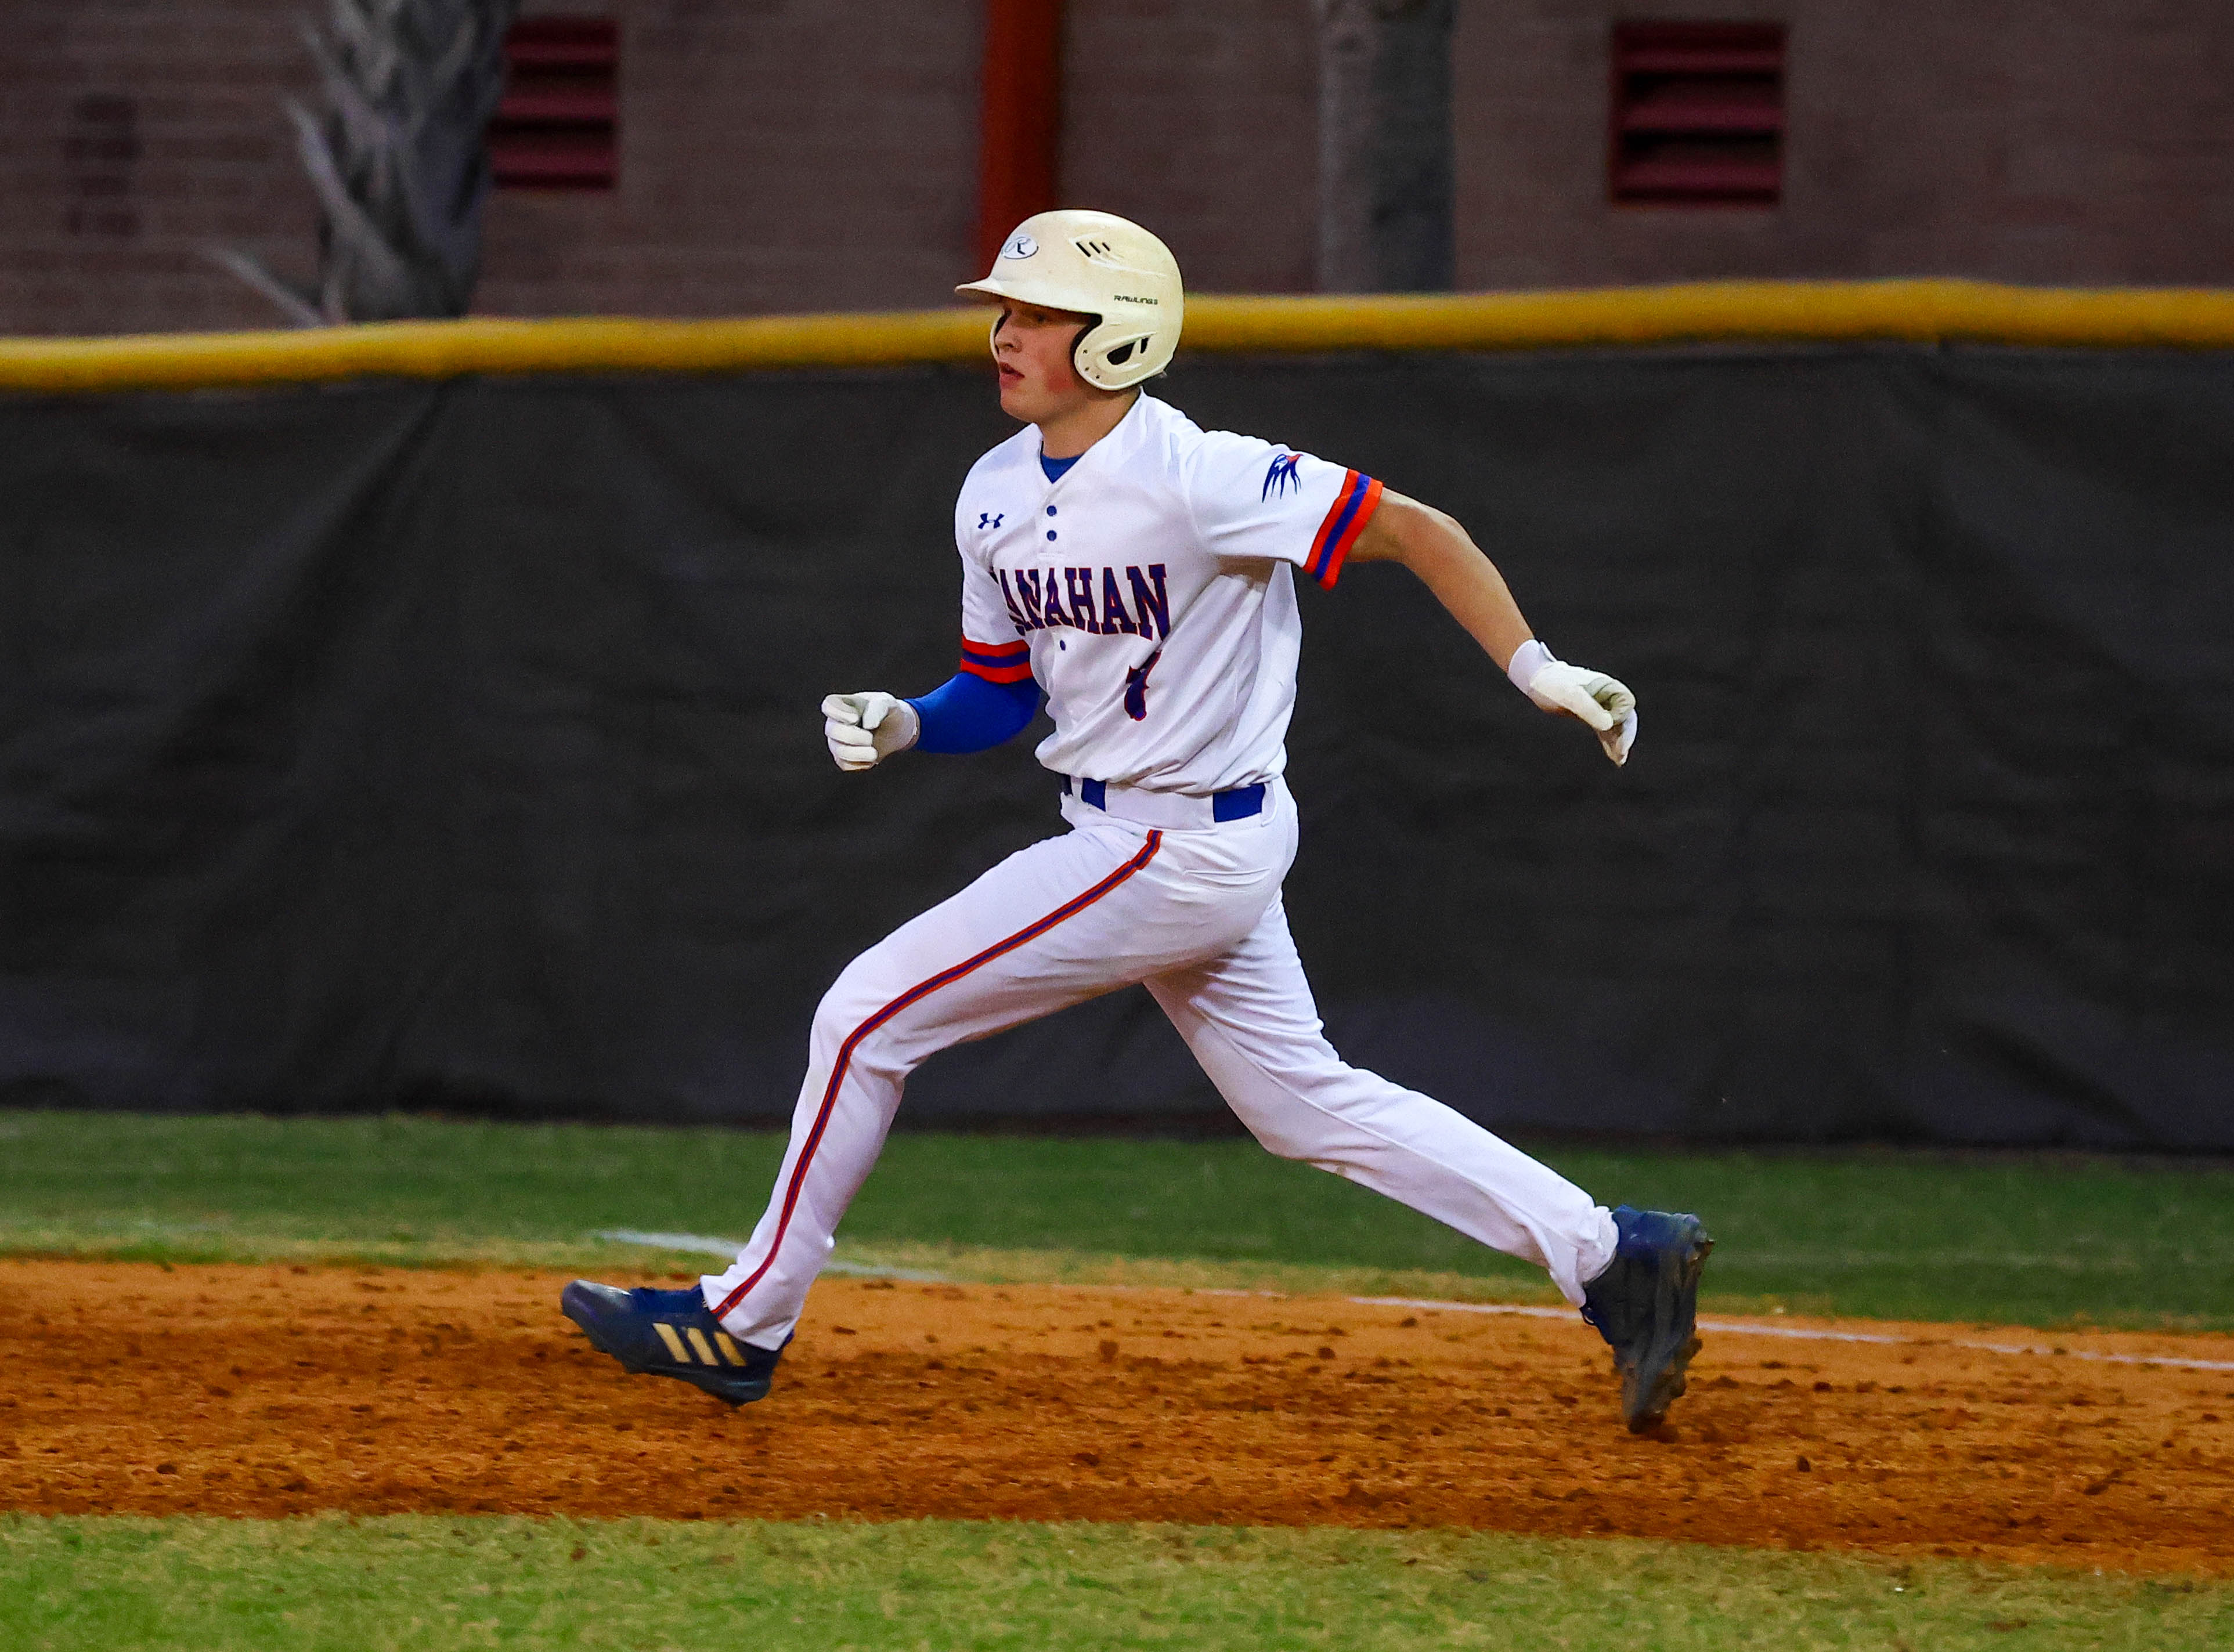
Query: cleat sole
{"points": [[1660, 1379]]}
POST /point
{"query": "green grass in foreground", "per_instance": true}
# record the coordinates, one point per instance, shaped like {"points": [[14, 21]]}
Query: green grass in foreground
{"points": [[431, 1584], [2047, 1242]]}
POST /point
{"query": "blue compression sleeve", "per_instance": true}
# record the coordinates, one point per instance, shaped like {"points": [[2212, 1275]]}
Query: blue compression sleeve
{"points": [[967, 713]]}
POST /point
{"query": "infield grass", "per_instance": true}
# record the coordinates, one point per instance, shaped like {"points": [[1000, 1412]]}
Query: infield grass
{"points": [[2049, 1242], [433, 1584]]}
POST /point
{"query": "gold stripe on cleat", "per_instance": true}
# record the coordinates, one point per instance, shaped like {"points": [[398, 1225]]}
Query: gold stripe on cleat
{"points": [[674, 1343], [698, 1345], [728, 1348]]}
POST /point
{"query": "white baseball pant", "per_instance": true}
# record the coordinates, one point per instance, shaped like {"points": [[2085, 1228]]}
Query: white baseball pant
{"points": [[1195, 915]]}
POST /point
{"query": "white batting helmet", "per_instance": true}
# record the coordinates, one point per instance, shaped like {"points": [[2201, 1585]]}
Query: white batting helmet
{"points": [[1100, 265]]}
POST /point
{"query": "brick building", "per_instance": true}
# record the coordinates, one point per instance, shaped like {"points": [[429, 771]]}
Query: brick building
{"points": [[786, 154]]}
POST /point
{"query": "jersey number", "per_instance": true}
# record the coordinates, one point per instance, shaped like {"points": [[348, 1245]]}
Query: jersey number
{"points": [[1136, 687]]}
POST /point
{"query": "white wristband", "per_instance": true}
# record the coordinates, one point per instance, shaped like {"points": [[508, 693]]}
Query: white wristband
{"points": [[1527, 660]]}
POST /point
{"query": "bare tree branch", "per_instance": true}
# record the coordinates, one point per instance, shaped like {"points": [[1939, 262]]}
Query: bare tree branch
{"points": [[299, 307], [397, 155]]}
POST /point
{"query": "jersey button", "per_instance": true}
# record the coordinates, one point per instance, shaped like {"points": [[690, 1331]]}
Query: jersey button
{"points": [[1050, 510], [1050, 533]]}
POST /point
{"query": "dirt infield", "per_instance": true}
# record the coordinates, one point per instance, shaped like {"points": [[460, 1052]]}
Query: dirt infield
{"points": [[270, 1390]]}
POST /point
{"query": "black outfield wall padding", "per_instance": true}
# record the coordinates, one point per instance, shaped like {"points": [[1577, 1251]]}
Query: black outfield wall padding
{"points": [[455, 744]]}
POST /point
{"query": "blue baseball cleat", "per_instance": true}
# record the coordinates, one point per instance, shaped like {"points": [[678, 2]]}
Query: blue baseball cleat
{"points": [[1645, 1304], [671, 1333]]}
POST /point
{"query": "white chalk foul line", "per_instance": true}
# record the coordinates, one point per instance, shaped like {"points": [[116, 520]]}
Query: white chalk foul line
{"points": [[704, 1245], [1806, 1333], [2106, 1359]]}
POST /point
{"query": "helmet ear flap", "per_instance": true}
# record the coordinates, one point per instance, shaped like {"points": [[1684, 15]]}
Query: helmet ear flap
{"points": [[1080, 361], [1119, 366]]}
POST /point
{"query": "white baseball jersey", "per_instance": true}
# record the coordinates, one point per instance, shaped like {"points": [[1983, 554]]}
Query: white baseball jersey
{"points": [[1150, 590]]}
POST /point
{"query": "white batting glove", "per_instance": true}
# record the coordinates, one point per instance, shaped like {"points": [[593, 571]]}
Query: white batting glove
{"points": [[1591, 697], [864, 729]]}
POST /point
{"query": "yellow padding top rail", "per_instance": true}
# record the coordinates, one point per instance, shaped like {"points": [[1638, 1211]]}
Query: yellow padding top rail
{"points": [[1829, 312]]}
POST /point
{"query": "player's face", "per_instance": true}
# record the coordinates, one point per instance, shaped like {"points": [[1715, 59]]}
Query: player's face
{"points": [[1032, 353]]}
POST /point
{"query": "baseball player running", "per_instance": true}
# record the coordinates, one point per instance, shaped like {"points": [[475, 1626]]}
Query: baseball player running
{"points": [[1139, 572]]}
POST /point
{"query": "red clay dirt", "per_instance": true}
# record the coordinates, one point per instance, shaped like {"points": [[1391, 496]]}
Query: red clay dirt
{"points": [[135, 1389]]}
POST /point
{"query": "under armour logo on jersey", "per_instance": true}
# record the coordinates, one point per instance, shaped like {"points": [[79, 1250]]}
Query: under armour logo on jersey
{"points": [[990, 519], [1281, 476]]}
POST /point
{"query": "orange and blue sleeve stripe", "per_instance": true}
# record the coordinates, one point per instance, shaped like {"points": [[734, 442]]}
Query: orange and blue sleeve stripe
{"points": [[1345, 519], [997, 661]]}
